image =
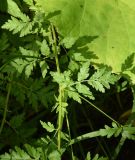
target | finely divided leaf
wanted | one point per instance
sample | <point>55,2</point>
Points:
<point>109,132</point>
<point>84,71</point>
<point>13,9</point>
<point>63,79</point>
<point>68,42</point>
<point>45,50</point>
<point>33,152</point>
<point>16,25</point>
<point>26,64</point>
<point>19,154</point>
<point>28,2</point>
<point>48,126</point>
<point>102,79</point>
<point>57,77</point>
<point>73,94</point>
<point>128,62</point>
<point>81,88</point>
<point>44,67</point>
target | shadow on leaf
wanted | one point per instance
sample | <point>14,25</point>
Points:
<point>128,63</point>
<point>52,14</point>
<point>80,46</point>
<point>101,65</point>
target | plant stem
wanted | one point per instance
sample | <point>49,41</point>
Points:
<point>85,136</point>
<point>72,153</point>
<point>119,101</point>
<point>5,109</point>
<point>100,110</point>
<point>118,148</point>
<point>92,128</point>
<point>55,49</point>
<point>60,118</point>
<point>123,139</point>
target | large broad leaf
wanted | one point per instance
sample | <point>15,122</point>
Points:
<point>112,21</point>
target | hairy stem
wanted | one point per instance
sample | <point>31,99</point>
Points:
<point>60,118</point>
<point>5,109</point>
<point>85,136</point>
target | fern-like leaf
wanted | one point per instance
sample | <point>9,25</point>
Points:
<point>68,42</point>
<point>45,50</point>
<point>83,89</point>
<point>23,26</point>
<point>17,154</point>
<point>84,72</point>
<point>29,2</point>
<point>14,10</point>
<point>102,79</point>
<point>72,93</point>
<point>128,132</point>
<point>26,64</point>
<point>44,67</point>
<point>31,153</point>
<point>63,79</point>
<point>48,126</point>
<point>109,132</point>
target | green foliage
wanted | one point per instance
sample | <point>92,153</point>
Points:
<point>99,80</point>
<point>95,158</point>
<point>16,26</point>
<point>83,74</point>
<point>55,54</point>
<point>4,42</point>
<point>31,153</point>
<point>115,36</point>
<point>109,132</point>
<point>16,121</point>
<point>102,79</point>
<point>36,153</point>
<point>73,94</point>
<point>81,88</point>
<point>48,126</point>
<point>13,9</point>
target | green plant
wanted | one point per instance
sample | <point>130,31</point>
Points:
<point>48,63</point>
